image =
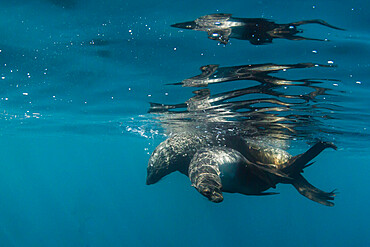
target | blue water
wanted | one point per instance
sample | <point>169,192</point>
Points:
<point>76,80</point>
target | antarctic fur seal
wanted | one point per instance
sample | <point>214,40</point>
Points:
<point>234,164</point>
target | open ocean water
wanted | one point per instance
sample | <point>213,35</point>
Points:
<point>76,128</point>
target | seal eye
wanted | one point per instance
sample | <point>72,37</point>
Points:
<point>207,192</point>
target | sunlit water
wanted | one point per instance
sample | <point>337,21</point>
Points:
<point>77,128</point>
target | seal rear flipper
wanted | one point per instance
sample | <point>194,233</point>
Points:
<point>297,163</point>
<point>311,192</point>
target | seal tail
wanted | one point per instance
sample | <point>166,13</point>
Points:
<point>295,168</point>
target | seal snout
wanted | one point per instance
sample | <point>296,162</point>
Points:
<point>152,178</point>
<point>185,25</point>
<point>148,182</point>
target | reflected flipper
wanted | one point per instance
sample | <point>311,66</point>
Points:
<point>316,21</point>
<point>295,37</point>
<point>221,35</point>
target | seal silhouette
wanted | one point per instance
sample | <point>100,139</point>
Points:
<point>257,31</point>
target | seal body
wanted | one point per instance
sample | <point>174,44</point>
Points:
<point>176,153</point>
<point>234,164</point>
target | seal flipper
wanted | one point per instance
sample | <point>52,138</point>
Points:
<point>295,168</point>
<point>311,192</point>
<point>204,174</point>
<point>297,163</point>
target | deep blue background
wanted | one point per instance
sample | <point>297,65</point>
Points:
<point>74,82</point>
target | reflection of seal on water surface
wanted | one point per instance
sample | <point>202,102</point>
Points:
<point>234,164</point>
<point>257,31</point>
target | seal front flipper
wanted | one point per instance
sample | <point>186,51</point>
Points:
<point>204,174</point>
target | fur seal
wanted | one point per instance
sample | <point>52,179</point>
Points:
<point>257,31</point>
<point>234,164</point>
